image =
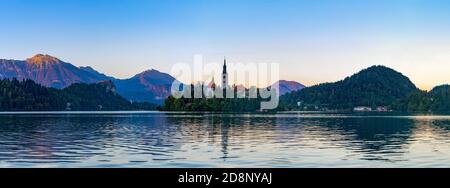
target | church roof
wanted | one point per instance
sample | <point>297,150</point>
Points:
<point>212,84</point>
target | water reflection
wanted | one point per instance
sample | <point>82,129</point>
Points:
<point>223,140</point>
<point>376,138</point>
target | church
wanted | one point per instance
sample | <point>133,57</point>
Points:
<point>224,74</point>
<point>224,84</point>
<point>224,77</point>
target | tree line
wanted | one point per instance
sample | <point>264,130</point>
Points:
<point>26,95</point>
<point>239,102</point>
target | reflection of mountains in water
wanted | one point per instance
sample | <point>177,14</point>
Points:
<point>219,137</point>
<point>374,138</point>
<point>71,138</point>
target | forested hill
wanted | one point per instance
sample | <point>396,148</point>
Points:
<point>437,100</point>
<point>26,95</point>
<point>374,86</point>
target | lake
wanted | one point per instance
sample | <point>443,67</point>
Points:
<point>157,139</point>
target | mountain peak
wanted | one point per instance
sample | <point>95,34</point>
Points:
<point>286,86</point>
<point>155,77</point>
<point>42,59</point>
<point>378,69</point>
<point>150,71</point>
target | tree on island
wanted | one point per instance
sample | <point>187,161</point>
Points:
<point>239,102</point>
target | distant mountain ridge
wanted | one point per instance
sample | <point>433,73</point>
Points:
<point>288,86</point>
<point>371,87</point>
<point>150,85</point>
<point>49,71</point>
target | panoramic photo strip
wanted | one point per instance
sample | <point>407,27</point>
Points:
<point>224,92</point>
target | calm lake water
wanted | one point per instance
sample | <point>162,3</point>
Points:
<point>154,139</point>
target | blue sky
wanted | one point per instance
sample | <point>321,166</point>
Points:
<point>313,40</point>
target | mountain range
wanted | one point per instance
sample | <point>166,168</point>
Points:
<point>149,86</point>
<point>49,71</point>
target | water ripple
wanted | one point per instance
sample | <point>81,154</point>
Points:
<point>223,140</point>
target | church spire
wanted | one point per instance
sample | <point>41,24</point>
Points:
<point>224,74</point>
<point>224,65</point>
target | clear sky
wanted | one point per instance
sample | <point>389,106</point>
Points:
<point>314,41</point>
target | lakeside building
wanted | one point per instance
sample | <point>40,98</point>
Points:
<point>362,109</point>
<point>369,109</point>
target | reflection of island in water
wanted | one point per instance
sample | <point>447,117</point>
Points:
<point>376,138</point>
<point>202,140</point>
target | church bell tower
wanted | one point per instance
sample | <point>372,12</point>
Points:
<point>224,74</point>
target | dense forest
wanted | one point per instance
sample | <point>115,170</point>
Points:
<point>437,100</point>
<point>26,95</point>
<point>372,87</point>
<point>235,104</point>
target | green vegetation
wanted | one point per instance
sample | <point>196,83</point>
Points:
<point>26,95</point>
<point>372,87</point>
<point>235,104</point>
<point>211,105</point>
<point>437,100</point>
